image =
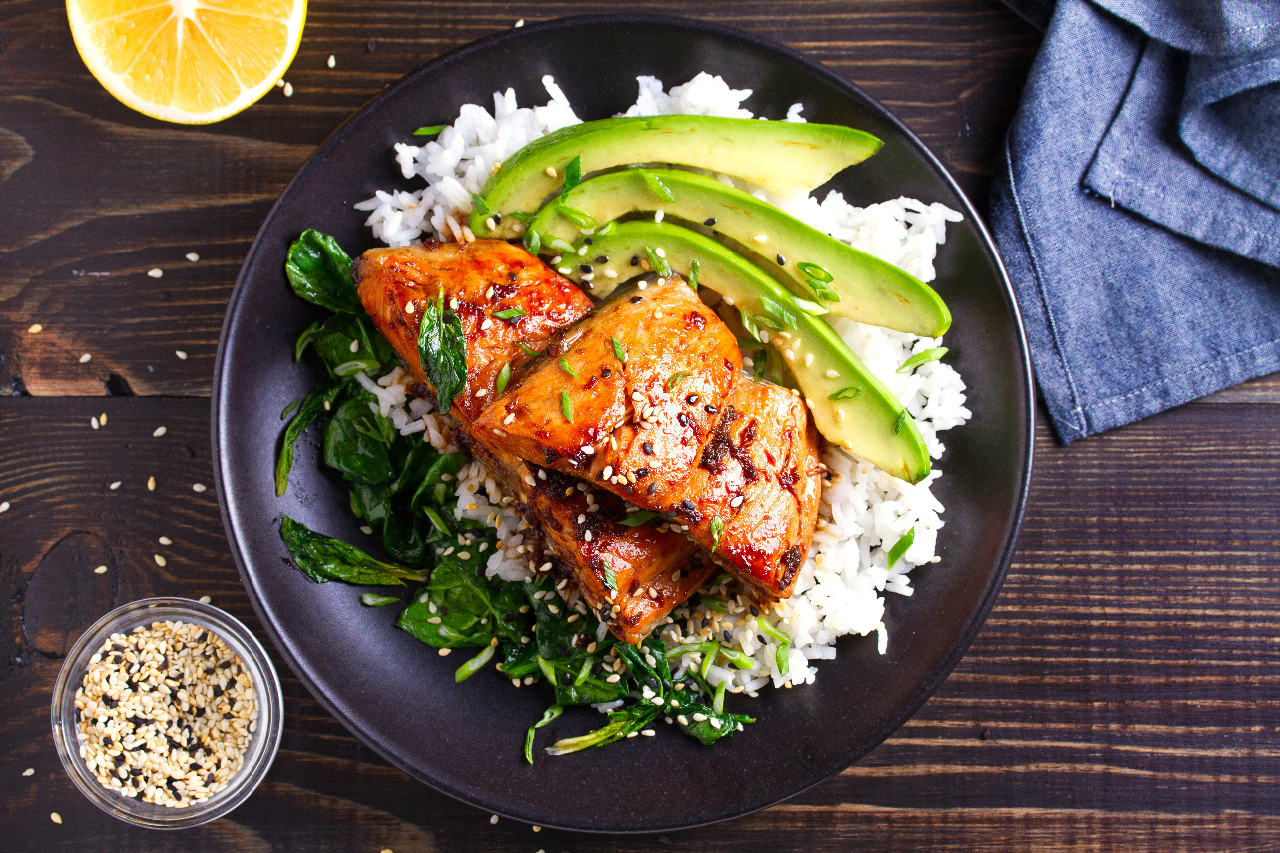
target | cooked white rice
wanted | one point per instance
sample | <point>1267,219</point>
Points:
<point>864,511</point>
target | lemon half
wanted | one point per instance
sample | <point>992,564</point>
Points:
<point>187,61</point>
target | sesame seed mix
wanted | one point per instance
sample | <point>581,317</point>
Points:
<point>166,713</point>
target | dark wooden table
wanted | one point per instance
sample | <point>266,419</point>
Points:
<point>1120,697</point>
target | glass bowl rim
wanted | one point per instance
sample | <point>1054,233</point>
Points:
<point>262,747</point>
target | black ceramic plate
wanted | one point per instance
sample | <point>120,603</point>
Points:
<point>396,694</point>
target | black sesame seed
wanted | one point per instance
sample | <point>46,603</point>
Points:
<point>782,262</point>
<point>728,638</point>
<point>692,399</point>
<point>642,472</point>
<point>589,241</point>
<point>683,419</point>
<point>711,410</point>
<point>688,505</point>
<point>511,276</point>
<point>754,610</point>
<point>636,299</point>
<point>653,487</point>
<point>497,219</point>
<point>585,267</point>
<point>225,664</point>
<point>602,259</point>
<point>606,373</point>
<point>647,448</point>
<point>635,260</point>
<point>709,222</point>
<point>761,638</point>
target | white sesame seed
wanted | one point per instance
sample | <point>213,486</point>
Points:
<point>788,355</point>
<point>736,502</point>
<point>332,61</point>
<point>279,83</point>
<point>494,818</point>
<point>610,274</point>
<point>55,817</point>
<point>551,172</point>
<point>151,484</point>
<point>160,560</point>
<point>761,238</point>
<point>288,90</point>
<point>354,346</point>
<point>35,329</point>
<point>608,471</point>
<point>101,570</point>
<point>30,771</point>
<point>160,431</point>
<point>165,540</point>
<point>93,422</point>
<point>651,732</point>
<point>193,257</point>
<point>114,485</point>
<point>660,252</point>
<point>199,487</point>
<point>614,679</point>
<point>155,272</point>
<point>839,414</point>
<point>453,303</point>
<point>84,359</point>
<point>564,270</point>
<point>582,251</point>
<point>657,217</point>
<point>831,374</point>
<point>445,652</point>
<point>205,599</point>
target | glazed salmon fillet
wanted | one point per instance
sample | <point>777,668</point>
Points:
<point>675,428</point>
<point>653,569</point>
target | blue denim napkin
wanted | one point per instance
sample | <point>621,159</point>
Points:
<point>1138,205</point>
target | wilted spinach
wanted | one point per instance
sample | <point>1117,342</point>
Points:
<point>323,558</point>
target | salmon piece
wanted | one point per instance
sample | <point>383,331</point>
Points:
<point>760,475</point>
<point>654,569</point>
<point>630,576</point>
<point>478,279</point>
<point>626,397</point>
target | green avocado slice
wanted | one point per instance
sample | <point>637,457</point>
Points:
<point>849,405</point>
<point>787,158</point>
<point>848,282</point>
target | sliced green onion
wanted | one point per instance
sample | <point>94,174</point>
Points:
<point>813,309</point>
<point>708,660</point>
<point>713,604</point>
<point>720,578</point>
<point>479,205</point>
<point>567,367</point>
<point>580,218</point>
<point>814,271</point>
<point>583,672</point>
<point>659,264</point>
<point>527,350</point>
<point>900,547</point>
<point>430,130</point>
<point>821,290</point>
<point>610,579</point>
<point>717,530</point>
<point>289,408</point>
<point>846,393</point>
<point>902,421</point>
<point>766,628</point>
<point>783,659</point>
<point>777,312</point>
<point>674,379</point>
<point>693,273</point>
<point>437,521</point>
<point>717,704</point>
<point>635,519</point>
<point>737,658</point>
<point>559,244</point>
<point>504,376</point>
<point>548,669</point>
<point>532,242</point>
<point>688,648</point>
<point>566,406</point>
<point>618,352</point>
<point>473,666</point>
<point>659,188</point>
<point>608,229</point>
<point>572,177</point>
<point>547,716</point>
<point>509,313</point>
<point>749,324</point>
<point>372,599</point>
<point>921,357</point>
<point>521,216</point>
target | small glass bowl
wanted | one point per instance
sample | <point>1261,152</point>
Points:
<point>262,745</point>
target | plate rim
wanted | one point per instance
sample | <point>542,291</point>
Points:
<point>956,649</point>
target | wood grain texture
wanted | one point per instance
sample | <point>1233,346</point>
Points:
<point>1123,694</point>
<point>95,195</point>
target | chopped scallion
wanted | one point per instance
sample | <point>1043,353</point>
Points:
<point>846,393</point>
<point>372,599</point>
<point>674,379</point>
<point>814,271</point>
<point>693,273</point>
<point>618,352</point>
<point>527,350</point>
<point>635,519</point>
<point>473,666</point>
<point>901,422</point>
<point>509,313</point>
<point>659,188</point>
<point>504,376</point>
<point>717,530</point>
<point>717,704</point>
<point>572,177</point>
<point>900,547</point>
<point>430,130</point>
<point>922,357</point>
<point>567,367</point>
<point>659,264</point>
<point>610,579</point>
<point>566,406</point>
